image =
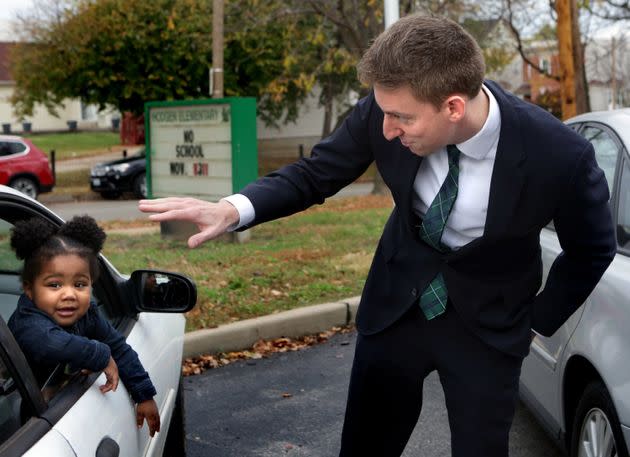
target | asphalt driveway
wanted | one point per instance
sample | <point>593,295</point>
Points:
<point>292,404</point>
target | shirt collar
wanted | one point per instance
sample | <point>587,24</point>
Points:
<point>486,139</point>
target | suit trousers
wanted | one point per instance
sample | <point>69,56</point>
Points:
<point>480,386</point>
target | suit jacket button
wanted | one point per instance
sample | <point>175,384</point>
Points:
<point>414,291</point>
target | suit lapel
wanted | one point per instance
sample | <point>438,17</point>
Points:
<point>507,179</point>
<point>508,175</point>
<point>407,164</point>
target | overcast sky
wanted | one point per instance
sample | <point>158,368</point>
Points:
<point>8,10</point>
<point>9,7</point>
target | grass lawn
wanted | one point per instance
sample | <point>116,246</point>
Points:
<point>77,144</point>
<point>313,257</point>
<point>74,182</point>
<point>268,164</point>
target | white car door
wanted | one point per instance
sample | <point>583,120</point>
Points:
<point>51,444</point>
<point>157,338</point>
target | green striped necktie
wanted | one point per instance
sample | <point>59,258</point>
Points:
<point>433,299</point>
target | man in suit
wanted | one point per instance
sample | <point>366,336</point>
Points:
<point>475,174</point>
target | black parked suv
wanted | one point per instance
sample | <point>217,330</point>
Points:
<point>111,179</point>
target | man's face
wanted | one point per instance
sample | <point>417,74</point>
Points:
<point>419,126</point>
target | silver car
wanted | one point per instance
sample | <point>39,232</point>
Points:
<point>577,382</point>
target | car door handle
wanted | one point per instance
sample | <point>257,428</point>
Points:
<point>107,448</point>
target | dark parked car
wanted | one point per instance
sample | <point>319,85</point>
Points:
<point>24,167</point>
<point>111,179</point>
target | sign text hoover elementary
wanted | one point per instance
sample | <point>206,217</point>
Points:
<point>209,113</point>
<point>189,143</point>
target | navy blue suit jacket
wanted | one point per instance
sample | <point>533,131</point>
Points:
<point>543,172</point>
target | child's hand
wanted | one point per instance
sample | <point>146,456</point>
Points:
<point>148,410</point>
<point>111,373</point>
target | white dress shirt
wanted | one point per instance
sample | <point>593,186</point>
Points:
<point>476,162</point>
<point>468,216</point>
<point>243,205</point>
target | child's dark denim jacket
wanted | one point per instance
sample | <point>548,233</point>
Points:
<point>86,344</point>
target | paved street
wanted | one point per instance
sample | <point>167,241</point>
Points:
<point>101,210</point>
<point>292,404</point>
<point>124,209</point>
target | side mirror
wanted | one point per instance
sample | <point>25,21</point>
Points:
<point>162,292</point>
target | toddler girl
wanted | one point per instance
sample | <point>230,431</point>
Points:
<point>55,321</point>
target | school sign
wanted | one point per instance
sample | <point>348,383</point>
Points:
<point>200,148</point>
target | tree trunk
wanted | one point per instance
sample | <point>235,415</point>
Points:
<point>328,112</point>
<point>585,80</point>
<point>566,57</point>
<point>582,104</point>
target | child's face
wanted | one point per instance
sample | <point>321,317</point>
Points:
<point>62,289</point>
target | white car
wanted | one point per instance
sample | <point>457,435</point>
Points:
<point>577,382</point>
<point>79,420</point>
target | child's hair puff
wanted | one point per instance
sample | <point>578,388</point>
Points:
<point>36,241</point>
<point>85,230</point>
<point>28,236</point>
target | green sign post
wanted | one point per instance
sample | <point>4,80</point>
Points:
<point>200,148</point>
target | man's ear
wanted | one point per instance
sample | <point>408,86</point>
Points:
<point>456,107</point>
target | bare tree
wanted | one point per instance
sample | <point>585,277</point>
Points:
<point>515,26</point>
<point>31,25</point>
<point>564,13</point>
<point>609,63</point>
<point>609,9</point>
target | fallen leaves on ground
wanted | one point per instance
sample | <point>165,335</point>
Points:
<point>260,349</point>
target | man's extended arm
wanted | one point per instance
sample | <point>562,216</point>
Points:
<point>335,162</point>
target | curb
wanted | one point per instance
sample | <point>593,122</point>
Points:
<point>294,323</point>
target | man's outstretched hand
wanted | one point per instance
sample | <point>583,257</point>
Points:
<point>212,219</point>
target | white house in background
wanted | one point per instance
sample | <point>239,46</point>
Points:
<point>605,47</point>
<point>285,141</point>
<point>86,116</point>
<point>608,66</point>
